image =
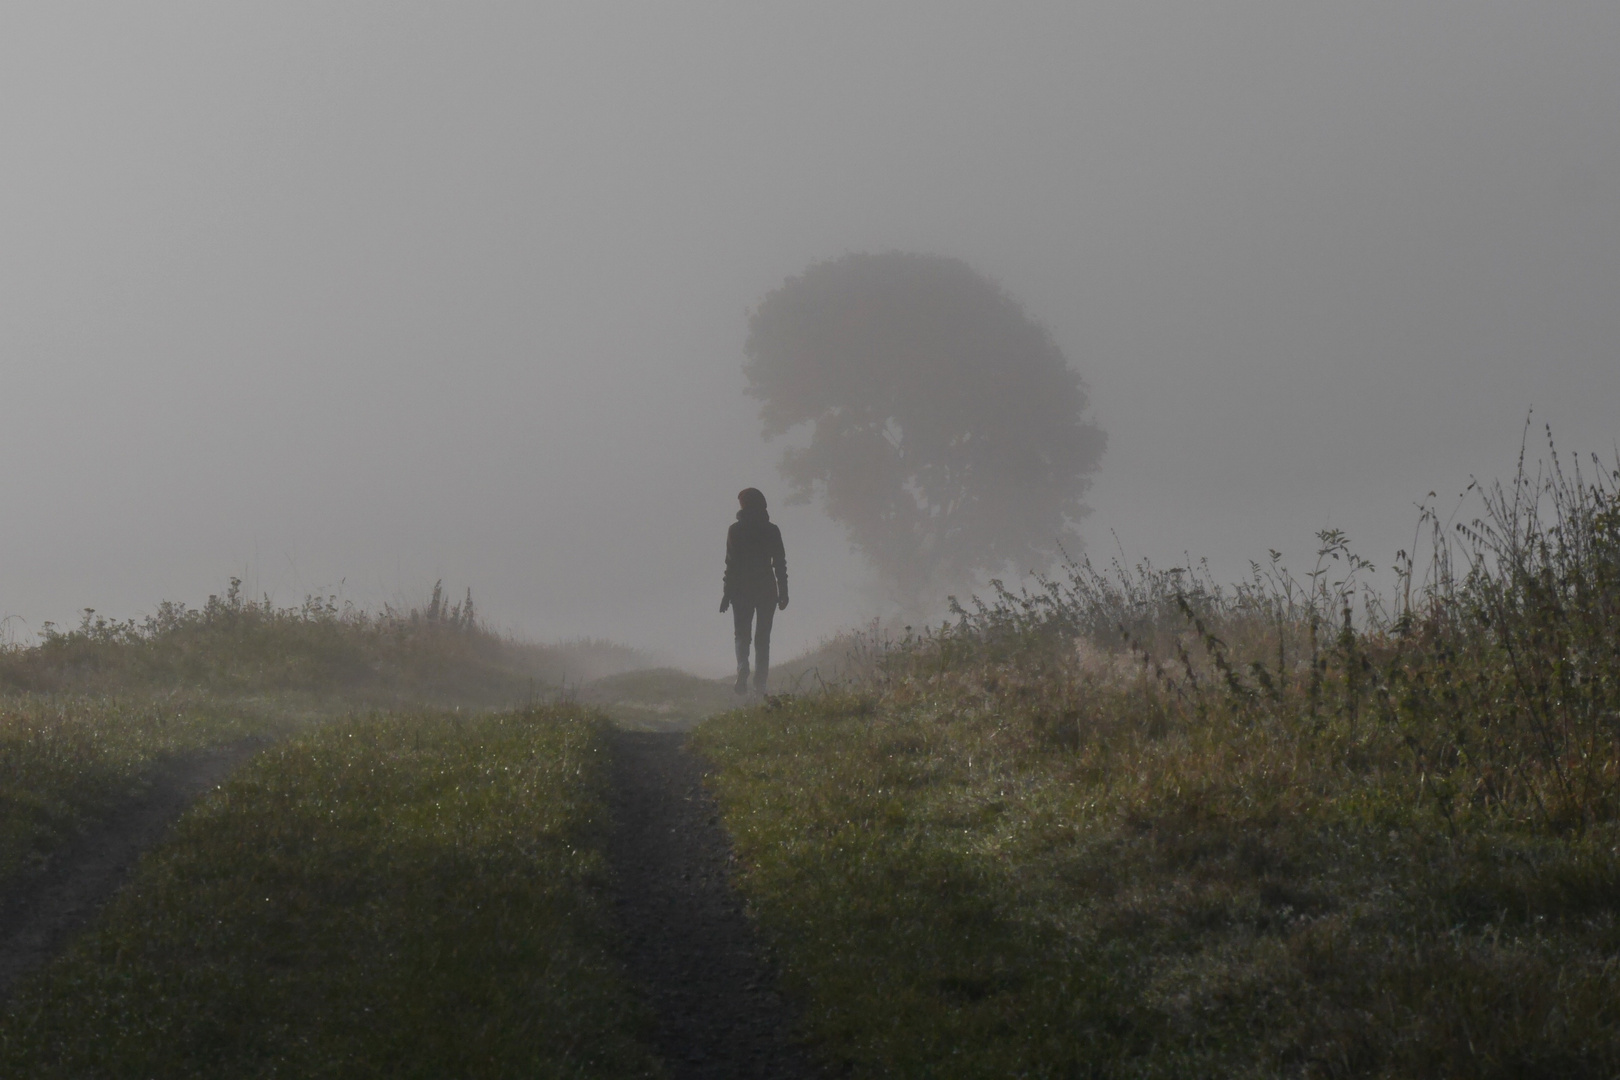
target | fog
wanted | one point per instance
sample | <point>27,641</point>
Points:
<point>350,298</point>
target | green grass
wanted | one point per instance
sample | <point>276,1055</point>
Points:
<point>953,897</point>
<point>67,762</point>
<point>89,715</point>
<point>1149,827</point>
<point>380,896</point>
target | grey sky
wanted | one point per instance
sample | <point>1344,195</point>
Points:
<point>381,293</point>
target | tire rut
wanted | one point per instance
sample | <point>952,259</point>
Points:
<point>688,942</point>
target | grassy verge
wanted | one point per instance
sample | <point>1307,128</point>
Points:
<point>388,896</point>
<point>1151,827</point>
<point>953,898</point>
<point>66,762</point>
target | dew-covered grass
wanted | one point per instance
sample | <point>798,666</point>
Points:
<point>68,762</point>
<point>92,715</point>
<point>952,896</point>
<point>386,895</point>
<point>1148,827</point>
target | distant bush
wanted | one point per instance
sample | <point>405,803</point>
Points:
<point>233,644</point>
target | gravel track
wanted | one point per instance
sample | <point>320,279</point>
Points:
<point>687,940</point>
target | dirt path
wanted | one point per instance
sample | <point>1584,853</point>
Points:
<point>686,937</point>
<point>40,916</point>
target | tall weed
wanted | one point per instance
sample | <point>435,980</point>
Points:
<point>1493,670</point>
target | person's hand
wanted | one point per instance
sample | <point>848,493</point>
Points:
<point>725,602</point>
<point>782,603</point>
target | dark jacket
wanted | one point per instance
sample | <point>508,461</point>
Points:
<point>756,568</point>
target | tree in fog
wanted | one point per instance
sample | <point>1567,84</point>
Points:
<point>946,434</point>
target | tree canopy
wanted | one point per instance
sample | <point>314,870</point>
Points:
<point>947,428</point>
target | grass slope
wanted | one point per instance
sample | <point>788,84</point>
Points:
<point>234,646</point>
<point>1145,826</point>
<point>383,896</point>
<point>88,715</point>
<point>952,897</point>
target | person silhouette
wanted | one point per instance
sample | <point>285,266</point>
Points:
<point>755,584</point>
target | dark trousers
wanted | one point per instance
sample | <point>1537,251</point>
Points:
<point>753,622</point>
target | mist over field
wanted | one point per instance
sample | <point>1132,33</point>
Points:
<point>351,299</point>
